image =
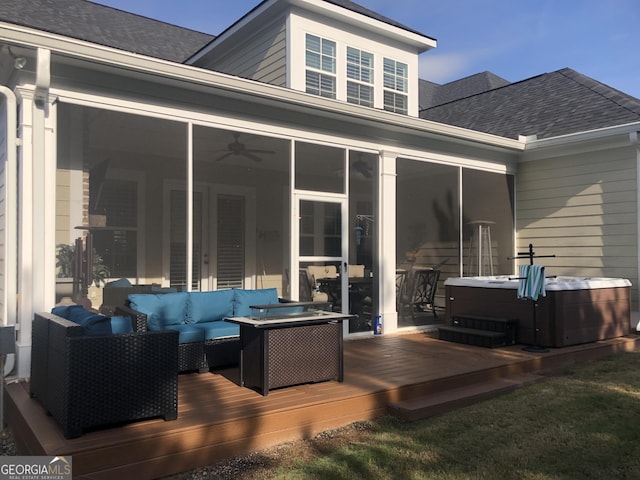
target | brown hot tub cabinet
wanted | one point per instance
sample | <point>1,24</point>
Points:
<point>564,317</point>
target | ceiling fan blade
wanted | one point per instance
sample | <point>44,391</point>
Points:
<point>238,148</point>
<point>251,156</point>
<point>253,150</point>
<point>225,155</point>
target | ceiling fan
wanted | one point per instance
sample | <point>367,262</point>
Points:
<point>238,148</point>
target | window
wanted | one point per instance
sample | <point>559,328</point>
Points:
<point>321,66</point>
<point>360,77</point>
<point>231,261</point>
<point>117,243</point>
<point>395,86</point>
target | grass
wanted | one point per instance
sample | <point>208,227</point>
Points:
<point>583,423</point>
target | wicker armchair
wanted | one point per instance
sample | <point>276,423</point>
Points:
<point>90,381</point>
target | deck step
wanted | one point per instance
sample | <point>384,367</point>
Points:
<point>472,336</point>
<point>495,324</point>
<point>441,402</point>
<point>490,332</point>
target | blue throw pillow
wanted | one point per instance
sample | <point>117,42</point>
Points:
<point>210,306</point>
<point>245,298</point>
<point>62,311</point>
<point>121,325</point>
<point>93,323</point>
<point>161,310</point>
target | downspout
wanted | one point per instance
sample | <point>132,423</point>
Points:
<point>10,271</point>
<point>634,139</point>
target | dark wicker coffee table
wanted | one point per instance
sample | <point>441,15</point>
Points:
<point>290,344</point>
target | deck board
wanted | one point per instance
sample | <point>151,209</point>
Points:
<point>217,419</point>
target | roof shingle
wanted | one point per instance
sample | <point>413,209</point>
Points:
<point>89,21</point>
<point>432,94</point>
<point>548,105</point>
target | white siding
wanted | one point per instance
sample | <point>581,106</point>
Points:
<point>583,209</point>
<point>260,57</point>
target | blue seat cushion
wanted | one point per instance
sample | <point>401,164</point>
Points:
<point>121,325</point>
<point>188,333</point>
<point>219,329</point>
<point>93,323</point>
<point>162,310</point>
<point>210,306</point>
<point>245,298</point>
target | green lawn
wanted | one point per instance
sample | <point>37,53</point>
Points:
<point>583,423</point>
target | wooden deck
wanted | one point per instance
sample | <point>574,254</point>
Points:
<point>217,419</point>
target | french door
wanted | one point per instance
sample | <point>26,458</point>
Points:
<point>223,239</point>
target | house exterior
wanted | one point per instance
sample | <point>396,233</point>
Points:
<point>297,137</point>
<point>576,183</point>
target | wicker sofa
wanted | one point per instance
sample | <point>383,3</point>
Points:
<point>205,340</point>
<point>87,381</point>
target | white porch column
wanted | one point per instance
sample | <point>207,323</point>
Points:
<point>36,225</point>
<point>387,241</point>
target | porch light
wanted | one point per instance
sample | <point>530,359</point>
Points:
<point>18,62</point>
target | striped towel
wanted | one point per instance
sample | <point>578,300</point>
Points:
<point>531,283</point>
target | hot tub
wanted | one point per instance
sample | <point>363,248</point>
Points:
<point>576,309</point>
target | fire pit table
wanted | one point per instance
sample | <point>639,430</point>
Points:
<point>290,344</point>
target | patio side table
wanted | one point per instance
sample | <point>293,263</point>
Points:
<point>290,344</point>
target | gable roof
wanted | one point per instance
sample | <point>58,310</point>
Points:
<point>89,21</point>
<point>433,94</point>
<point>423,44</point>
<point>108,26</point>
<point>548,105</point>
<point>354,7</point>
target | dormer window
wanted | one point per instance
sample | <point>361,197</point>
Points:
<point>321,66</point>
<point>396,78</point>
<point>359,77</point>
<point>376,76</point>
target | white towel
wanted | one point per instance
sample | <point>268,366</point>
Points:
<point>531,284</point>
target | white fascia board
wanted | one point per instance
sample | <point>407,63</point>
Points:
<point>189,77</point>
<point>421,43</point>
<point>599,139</point>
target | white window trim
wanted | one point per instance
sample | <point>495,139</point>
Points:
<point>359,81</point>
<point>395,91</point>
<point>320,71</point>
<point>299,24</point>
